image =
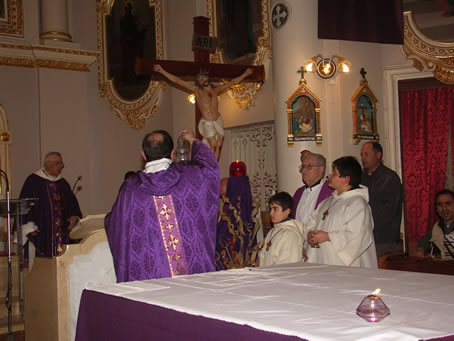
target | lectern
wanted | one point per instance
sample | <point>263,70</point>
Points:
<point>15,208</point>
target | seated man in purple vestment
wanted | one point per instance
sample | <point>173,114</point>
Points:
<point>57,210</point>
<point>163,222</point>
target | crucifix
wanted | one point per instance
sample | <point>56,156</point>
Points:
<point>302,70</point>
<point>208,119</point>
<point>363,73</point>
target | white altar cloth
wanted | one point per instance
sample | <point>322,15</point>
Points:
<point>310,301</point>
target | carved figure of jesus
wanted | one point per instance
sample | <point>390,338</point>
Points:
<point>211,126</point>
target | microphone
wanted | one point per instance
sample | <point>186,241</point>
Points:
<point>78,179</point>
<point>9,298</point>
<point>3,173</point>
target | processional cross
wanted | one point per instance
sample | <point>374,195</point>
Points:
<point>201,62</point>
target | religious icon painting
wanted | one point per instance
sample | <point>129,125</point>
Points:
<point>364,112</point>
<point>303,114</point>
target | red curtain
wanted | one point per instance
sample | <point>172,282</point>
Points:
<point>425,119</point>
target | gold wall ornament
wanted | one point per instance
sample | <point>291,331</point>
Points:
<point>5,137</point>
<point>244,93</point>
<point>12,18</point>
<point>46,56</point>
<point>62,36</point>
<point>427,54</point>
<point>137,109</point>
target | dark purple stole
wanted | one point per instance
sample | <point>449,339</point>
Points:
<point>171,236</point>
<point>56,208</point>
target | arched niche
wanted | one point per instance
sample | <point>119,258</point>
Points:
<point>129,29</point>
<point>250,44</point>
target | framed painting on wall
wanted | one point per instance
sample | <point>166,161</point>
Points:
<point>11,18</point>
<point>243,35</point>
<point>128,29</point>
<point>303,114</point>
<point>364,112</point>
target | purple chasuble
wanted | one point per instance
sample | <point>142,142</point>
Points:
<point>56,204</point>
<point>164,224</point>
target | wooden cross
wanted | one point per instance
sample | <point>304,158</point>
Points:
<point>325,214</point>
<point>184,69</point>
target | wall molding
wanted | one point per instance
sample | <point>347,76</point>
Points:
<point>36,56</point>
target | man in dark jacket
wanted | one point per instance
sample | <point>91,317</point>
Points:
<point>385,198</point>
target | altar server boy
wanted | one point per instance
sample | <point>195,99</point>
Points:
<point>284,242</point>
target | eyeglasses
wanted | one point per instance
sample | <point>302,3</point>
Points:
<point>57,163</point>
<point>308,167</point>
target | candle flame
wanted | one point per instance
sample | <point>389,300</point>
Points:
<point>376,291</point>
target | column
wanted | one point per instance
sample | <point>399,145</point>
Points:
<point>293,43</point>
<point>54,20</point>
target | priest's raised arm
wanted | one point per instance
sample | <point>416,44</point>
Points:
<point>163,222</point>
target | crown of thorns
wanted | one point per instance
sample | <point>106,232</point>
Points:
<point>203,73</point>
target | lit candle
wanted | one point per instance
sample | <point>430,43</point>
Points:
<point>372,308</point>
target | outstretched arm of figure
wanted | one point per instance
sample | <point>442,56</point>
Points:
<point>234,81</point>
<point>173,78</point>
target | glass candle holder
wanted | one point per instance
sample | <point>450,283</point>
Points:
<point>372,309</point>
<point>182,150</point>
<point>237,168</point>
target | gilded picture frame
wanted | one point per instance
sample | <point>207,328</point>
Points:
<point>243,94</point>
<point>303,115</point>
<point>428,54</point>
<point>138,100</point>
<point>364,113</point>
<point>11,18</point>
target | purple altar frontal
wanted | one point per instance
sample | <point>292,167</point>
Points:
<point>296,301</point>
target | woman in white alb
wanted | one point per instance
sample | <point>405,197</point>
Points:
<point>340,231</point>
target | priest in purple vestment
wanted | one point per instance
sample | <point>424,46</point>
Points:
<point>57,211</point>
<point>163,222</point>
<point>307,198</point>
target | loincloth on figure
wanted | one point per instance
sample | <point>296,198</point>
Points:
<point>211,128</point>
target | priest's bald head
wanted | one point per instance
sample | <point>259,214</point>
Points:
<point>157,145</point>
<point>53,163</point>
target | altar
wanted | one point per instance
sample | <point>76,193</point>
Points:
<point>297,301</point>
